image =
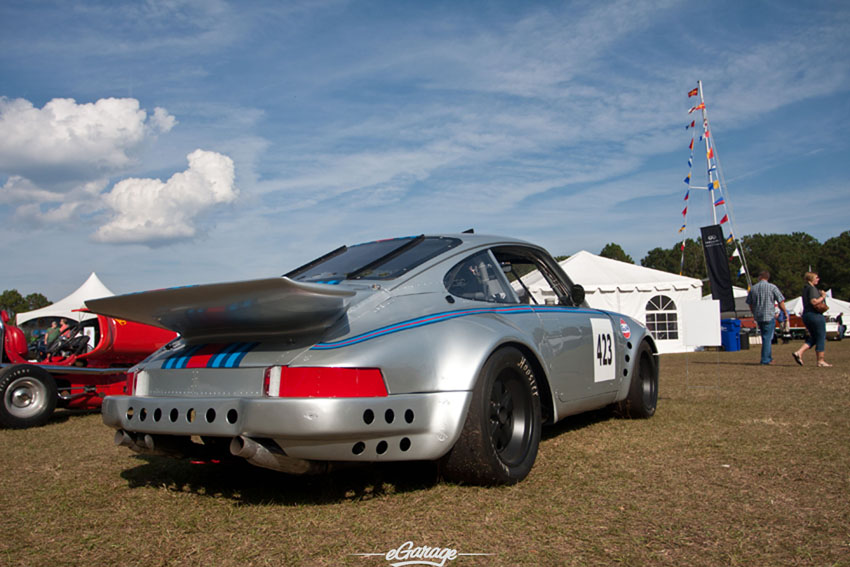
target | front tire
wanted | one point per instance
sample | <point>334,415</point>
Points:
<point>501,435</point>
<point>643,390</point>
<point>28,396</point>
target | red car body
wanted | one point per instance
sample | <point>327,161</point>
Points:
<point>73,374</point>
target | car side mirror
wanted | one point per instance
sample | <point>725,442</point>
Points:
<point>578,294</point>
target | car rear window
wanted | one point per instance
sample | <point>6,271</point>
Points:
<point>378,260</point>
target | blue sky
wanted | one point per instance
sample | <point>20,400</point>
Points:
<point>177,142</point>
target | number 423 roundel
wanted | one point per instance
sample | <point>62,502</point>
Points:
<point>604,350</point>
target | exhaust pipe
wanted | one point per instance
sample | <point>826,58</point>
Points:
<point>261,456</point>
<point>123,439</point>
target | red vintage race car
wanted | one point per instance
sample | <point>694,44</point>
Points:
<point>87,362</point>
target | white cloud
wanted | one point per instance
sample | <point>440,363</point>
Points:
<point>149,211</point>
<point>65,140</point>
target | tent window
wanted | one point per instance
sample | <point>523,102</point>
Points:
<point>662,319</point>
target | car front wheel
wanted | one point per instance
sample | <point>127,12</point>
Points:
<point>499,441</point>
<point>29,396</point>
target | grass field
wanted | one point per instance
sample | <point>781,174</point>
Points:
<point>742,465</point>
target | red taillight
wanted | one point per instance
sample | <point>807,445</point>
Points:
<point>323,382</point>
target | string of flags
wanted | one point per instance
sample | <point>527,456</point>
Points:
<point>735,254</point>
<point>713,183</point>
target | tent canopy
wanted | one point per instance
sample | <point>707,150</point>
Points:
<point>596,273</point>
<point>91,289</point>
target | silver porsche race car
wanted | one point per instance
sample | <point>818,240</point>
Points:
<point>413,348</point>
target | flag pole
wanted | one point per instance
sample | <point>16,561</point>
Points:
<point>706,133</point>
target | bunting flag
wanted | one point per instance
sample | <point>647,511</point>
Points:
<point>691,146</point>
<point>700,106</point>
<point>683,246</point>
<point>691,161</point>
<point>710,153</point>
<point>683,228</point>
<point>712,169</point>
<point>685,211</point>
<point>707,134</point>
<point>735,254</point>
<point>716,184</point>
<point>693,92</point>
<point>687,193</point>
<point>741,271</point>
<point>691,125</point>
<point>688,179</point>
<point>730,239</point>
<point>719,202</point>
<point>724,219</point>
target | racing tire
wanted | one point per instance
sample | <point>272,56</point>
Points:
<point>499,441</point>
<point>643,390</point>
<point>28,396</point>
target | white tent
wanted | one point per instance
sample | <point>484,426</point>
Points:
<point>91,289</point>
<point>647,295</point>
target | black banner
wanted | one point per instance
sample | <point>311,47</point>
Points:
<point>714,247</point>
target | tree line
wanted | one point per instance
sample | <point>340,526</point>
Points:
<point>13,302</point>
<point>786,256</point>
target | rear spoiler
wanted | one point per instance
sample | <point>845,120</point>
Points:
<point>254,308</point>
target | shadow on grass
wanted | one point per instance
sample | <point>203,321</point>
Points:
<point>577,422</point>
<point>237,480</point>
<point>250,485</point>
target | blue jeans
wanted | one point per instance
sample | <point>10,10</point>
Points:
<point>816,325</point>
<point>766,328</point>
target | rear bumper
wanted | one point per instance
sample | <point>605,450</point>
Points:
<point>392,428</point>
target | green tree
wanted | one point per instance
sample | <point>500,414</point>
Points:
<point>670,259</point>
<point>833,264</point>
<point>615,252</point>
<point>12,301</point>
<point>786,256</point>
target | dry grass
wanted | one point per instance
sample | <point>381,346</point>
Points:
<point>742,465</point>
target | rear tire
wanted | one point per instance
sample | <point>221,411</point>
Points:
<point>501,435</point>
<point>28,396</point>
<point>643,390</point>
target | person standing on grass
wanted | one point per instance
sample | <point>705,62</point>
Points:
<point>762,299</point>
<point>813,320</point>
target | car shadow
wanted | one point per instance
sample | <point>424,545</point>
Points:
<point>63,415</point>
<point>579,421</point>
<point>237,480</point>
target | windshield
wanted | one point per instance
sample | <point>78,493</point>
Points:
<point>378,260</point>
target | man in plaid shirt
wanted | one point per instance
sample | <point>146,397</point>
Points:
<point>761,299</point>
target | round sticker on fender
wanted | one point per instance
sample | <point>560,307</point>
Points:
<point>604,350</point>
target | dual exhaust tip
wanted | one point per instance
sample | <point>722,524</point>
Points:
<point>266,455</point>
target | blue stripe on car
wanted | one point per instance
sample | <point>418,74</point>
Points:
<point>445,316</point>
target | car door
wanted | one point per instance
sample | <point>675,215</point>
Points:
<point>578,344</point>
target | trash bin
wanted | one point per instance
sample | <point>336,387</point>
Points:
<point>730,334</point>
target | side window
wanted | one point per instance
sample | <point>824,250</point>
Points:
<point>531,278</point>
<point>479,278</point>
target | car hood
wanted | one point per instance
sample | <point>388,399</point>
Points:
<point>254,308</point>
